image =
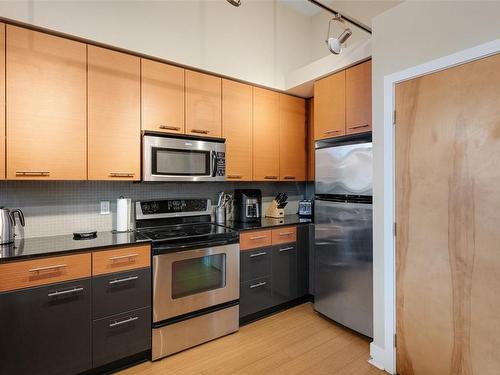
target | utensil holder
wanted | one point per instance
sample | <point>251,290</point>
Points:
<point>220,215</point>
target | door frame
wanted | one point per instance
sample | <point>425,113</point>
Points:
<point>386,357</point>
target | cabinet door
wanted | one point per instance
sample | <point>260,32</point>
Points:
<point>237,129</point>
<point>2,101</point>
<point>46,109</point>
<point>46,330</point>
<point>310,140</point>
<point>359,98</point>
<point>266,131</point>
<point>285,277</point>
<point>203,104</point>
<point>162,97</point>
<point>255,264</point>
<point>329,106</point>
<point>114,130</point>
<point>292,138</point>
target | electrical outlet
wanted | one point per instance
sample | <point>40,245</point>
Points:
<point>104,207</point>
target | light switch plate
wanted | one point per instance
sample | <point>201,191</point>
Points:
<point>104,207</point>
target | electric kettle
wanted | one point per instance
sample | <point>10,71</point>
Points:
<point>7,224</point>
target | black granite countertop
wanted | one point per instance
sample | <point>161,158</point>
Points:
<point>266,222</point>
<point>57,245</point>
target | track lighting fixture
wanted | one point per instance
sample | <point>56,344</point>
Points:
<point>335,43</point>
<point>235,3</point>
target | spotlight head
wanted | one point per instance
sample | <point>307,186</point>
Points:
<point>235,3</point>
<point>333,43</point>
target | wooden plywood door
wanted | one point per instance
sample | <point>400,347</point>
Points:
<point>447,200</point>
<point>237,104</point>
<point>358,89</point>
<point>162,97</point>
<point>46,106</point>
<point>203,104</point>
<point>114,128</point>
<point>266,132</point>
<point>329,106</point>
<point>292,136</point>
<point>2,101</point>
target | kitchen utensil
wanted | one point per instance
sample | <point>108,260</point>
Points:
<point>8,223</point>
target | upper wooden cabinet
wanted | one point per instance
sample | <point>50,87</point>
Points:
<point>162,97</point>
<point>2,101</point>
<point>329,106</point>
<point>113,115</point>
<point>203,104</point>
<point>292,136</point>
<point>359,98</point>
<point>266,135</point>
<point>310,140</point>
<point>46,109</point>
<point>237,129</point>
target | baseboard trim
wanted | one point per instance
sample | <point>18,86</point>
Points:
<point>378,358</point>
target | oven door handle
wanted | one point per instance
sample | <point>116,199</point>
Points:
<point>214,163</point>
<point>164,249</point>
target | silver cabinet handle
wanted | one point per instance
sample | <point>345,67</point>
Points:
<point>331,131</point>
<point>262,283</point>
<point>166,127</point>
<point>125,321</point>
<point>33,173</point>
<point>286,249</point>
<point>128,256</point>
<point>57,266</point>
<point>359,126</point>
<point>283,234</point>
<point>200,131</point>
<point>124,280</point>
<point>121,174</point>
<point>257,255</point>
<point>270,177</point>
<point>235,176</point>
<point>289,177</point>
<point>257,238</point>
<point>62,292</point>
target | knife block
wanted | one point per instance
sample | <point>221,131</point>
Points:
<point>274,212</point>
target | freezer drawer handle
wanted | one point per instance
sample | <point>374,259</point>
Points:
<point>262,283</point>
<point>124,280</point>
<point>63,292</point>
<point>257,255</point>
<point>125,321</point>
<point>286,248</point>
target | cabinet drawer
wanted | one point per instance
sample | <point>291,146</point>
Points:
<point>121,259</point>
<point>115,293</point>
<point>255,295</point>
<point>284,235</point>
<point>255,264</point>
<point>29,273</point>
<point>252,240</point>
<point>121,335</point>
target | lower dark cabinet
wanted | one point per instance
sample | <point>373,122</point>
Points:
<point>255,295</point>
<point>121,335</point>
<point>284,273</point>
<point>47,329</point>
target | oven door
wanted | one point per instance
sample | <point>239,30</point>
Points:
<point>177,159</point>
<point>188,281</point>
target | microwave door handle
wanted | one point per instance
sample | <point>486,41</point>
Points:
<point>214,163</point>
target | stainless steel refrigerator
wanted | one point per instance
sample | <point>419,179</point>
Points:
<point>343,247</point>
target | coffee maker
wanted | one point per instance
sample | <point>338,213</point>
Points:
<point>247,205</point>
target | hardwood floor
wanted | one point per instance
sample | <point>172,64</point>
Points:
<point>296,341</point>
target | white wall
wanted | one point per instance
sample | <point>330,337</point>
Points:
<point>261,41</point>
<point>408,35</point>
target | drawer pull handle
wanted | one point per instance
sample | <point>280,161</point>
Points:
<point>200,131</point>
<point>120,257</point>
<point>283,234</point>
<point>289,177</point>
<point>257,238</point>
<point>331,131</point>
<point>258,285</point>
<point>121,174</point>
<point>271,177</point>
<point>166,127</point>
<point>124,280</point>
<point>33,173</point>
<point>56,267</point>
<point>257,255</point>
<point>124,321</point>
<point>235,176</point>
<point>286,248</point>
<point>359,126</point>
<point>63,292</point>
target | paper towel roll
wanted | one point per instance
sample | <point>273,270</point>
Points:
<point>123,206</point>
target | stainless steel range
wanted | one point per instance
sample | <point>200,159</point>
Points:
<point>195,273</point>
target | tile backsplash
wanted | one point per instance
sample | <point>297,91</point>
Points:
<point>63,207</point>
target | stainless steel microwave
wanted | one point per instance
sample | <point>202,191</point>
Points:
<point>183,158</point>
